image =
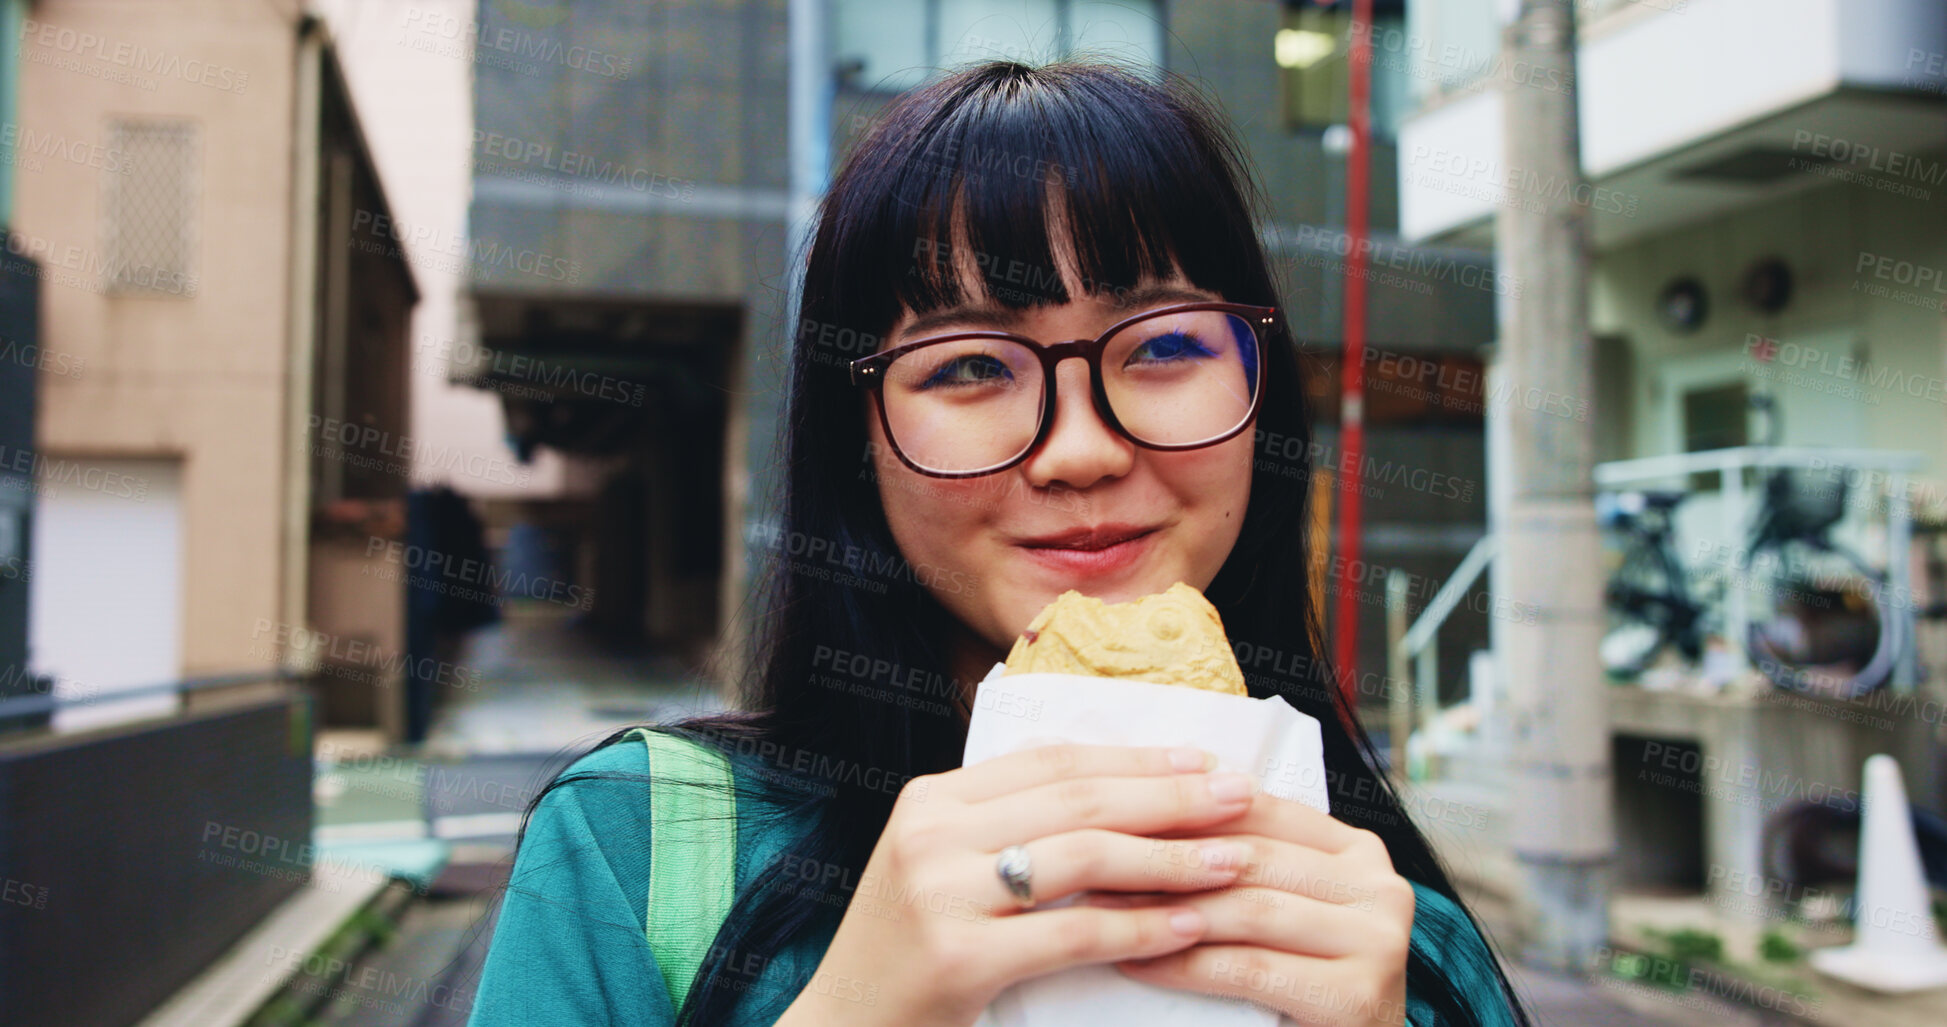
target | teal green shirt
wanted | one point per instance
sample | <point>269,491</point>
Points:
<point>570,945</point>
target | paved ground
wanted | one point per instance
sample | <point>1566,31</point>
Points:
<point>426,975</point>
<point>547,686</point>
<point>1556,999</point>
<point>548,692</point>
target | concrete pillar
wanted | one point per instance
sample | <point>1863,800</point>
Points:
<point>1558,728</point>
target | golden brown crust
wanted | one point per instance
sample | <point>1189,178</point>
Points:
<point>1173,637</point>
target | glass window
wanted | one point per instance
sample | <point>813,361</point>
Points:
<point>890,47</point>
<point>882,45</point>
<point>982,30</point>
<point>1715,417</point>
<point>1130,31</point>
<point>1448,44</point>
<point>1313,47</point>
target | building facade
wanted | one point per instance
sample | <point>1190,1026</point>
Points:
<point>1766,189</point>
<point>197,189</point>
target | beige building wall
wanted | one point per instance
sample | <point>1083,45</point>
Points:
<point>414,90</point>
<point>199,375</point>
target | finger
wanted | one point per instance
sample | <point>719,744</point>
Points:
<point>1361,875</point>
<point>1048,763</point>
<point>1293,821</point>
<point>1075,861</point>
<point>1132,805</point>
<point>1309,989</point>
<point>1271,918</point>
<point>1047,940</point>
<point>1342,879</point>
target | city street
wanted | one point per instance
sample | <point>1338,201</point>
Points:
<point>397,400</point>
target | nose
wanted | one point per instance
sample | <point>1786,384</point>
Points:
<point>1080,448</point>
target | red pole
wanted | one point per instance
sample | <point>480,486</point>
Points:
<point>1352,419</point>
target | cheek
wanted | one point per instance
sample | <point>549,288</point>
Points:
<point>902,490</point>
<point>1218,478</point>
<point>933,520</point>
<point>1239,464</point>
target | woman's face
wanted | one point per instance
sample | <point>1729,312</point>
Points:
<point>971,541</point>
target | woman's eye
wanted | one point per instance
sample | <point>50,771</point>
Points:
<point>969,370</point>
<point>1173,346</point>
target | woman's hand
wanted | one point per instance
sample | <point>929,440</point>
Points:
<point>932,933</point>
<point>1316,928</point>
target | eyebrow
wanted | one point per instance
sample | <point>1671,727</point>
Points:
<point>1010,318</point>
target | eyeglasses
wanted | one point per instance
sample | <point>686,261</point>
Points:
<point>972,403</point>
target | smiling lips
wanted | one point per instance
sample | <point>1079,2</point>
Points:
<point>1089,539</point>
<point>1091,551</point>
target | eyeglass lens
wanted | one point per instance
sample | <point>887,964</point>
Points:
<point>1173,379</point>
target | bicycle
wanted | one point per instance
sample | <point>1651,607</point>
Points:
<point>1649,594</point>
<point>1826,632</point>
<point>1829,632</point>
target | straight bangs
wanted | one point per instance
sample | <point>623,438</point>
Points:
<point>982,180</point>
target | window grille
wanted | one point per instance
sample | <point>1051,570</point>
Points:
<point>149,213</point>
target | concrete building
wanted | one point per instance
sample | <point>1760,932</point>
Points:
<point>412,81</point>
<point>220,462</point>
<point>1767,189</point>
<point>20,365</point>
<point>225,436</point>
<point>1718,135</point>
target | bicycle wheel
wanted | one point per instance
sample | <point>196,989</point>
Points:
<point>1827,634</point>
<point>1648,611</point>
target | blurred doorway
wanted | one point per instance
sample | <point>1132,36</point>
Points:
<point>635,395</point>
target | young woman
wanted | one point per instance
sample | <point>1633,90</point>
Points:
<point>941,488</point>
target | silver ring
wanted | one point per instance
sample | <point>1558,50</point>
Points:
<point>1014,870</point>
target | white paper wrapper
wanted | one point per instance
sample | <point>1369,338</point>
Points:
<point>1264,738</point>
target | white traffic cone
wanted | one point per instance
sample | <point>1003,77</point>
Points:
<point>1894,945</point>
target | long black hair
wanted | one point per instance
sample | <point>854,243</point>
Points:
<point>847,639</point>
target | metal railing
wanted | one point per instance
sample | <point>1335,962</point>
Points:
<point>1413,652</point>
<point>1418,646</point>
<point>37,703</point>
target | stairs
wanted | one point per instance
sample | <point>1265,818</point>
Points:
<point>1464,814</point>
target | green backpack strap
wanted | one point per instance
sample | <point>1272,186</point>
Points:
<point>692,854</point>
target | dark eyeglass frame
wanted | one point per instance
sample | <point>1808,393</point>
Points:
<point>870,373</point>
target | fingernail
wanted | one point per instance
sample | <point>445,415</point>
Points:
<point>1186,921</point>
<point>1230,787</point>
<point>1191,759</point>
